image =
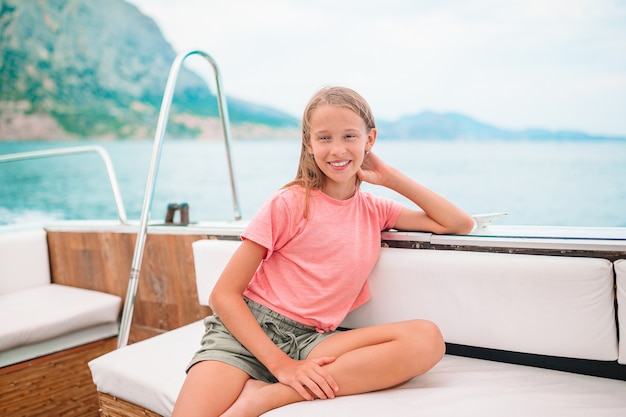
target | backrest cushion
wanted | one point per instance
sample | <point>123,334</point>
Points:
<point>210,257</point>
<point>620,280</point>
<point>561,306</point>
<point>24,260</point>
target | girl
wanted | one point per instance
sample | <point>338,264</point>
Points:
<point>302,266</point>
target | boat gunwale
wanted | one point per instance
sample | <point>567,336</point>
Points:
<point>495,238</point>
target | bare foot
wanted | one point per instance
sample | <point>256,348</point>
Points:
<point>248,400</point>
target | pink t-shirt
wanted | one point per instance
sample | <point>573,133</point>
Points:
<point>316,269</point>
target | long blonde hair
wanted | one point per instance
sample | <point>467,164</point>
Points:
<point>309,174</point>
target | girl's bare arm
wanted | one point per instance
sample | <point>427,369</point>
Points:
<point>437,214</point>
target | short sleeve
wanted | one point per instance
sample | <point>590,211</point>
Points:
<point>272,226</point>
<point>387,210</point>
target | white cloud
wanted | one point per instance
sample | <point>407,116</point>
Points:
<point>518,63</point>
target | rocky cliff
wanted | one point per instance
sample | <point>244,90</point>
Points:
<point>92,69</point>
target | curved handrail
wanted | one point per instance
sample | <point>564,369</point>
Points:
<point>121,212</point>
<point>133,282</point>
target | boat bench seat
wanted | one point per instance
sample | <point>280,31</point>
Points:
<point>550,306</point>
<point>38,317</point>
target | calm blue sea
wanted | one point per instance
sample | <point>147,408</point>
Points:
<point>536,183</point>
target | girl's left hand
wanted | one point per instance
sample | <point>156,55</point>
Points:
<point>374,170</point>
<point>309,378</point>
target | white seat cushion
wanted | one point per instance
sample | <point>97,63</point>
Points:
<point>150,374</point>
<point>459,386</point>
<point>210,257</point>
<point>48,311</point>
<point>550,305</point>
<point>59,343</point>
<point>620,278</point>
<point>23,260</point>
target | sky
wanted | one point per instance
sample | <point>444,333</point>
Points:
<point>553,64</point>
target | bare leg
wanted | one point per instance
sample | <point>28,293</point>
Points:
<point>210,388</point>
<point>368,359</point>
<point>252,398</point>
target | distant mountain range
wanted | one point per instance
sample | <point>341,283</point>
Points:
<point>87,69</point>
<point>448,126</point>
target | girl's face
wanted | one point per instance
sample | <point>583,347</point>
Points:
<point>339,139</point>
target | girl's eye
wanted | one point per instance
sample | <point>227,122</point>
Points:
<point>323,137</point>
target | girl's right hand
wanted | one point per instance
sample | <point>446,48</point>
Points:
<point>309,378</point>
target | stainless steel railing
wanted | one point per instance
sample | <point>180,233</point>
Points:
<point>127,313</point>
<point>121,212</point>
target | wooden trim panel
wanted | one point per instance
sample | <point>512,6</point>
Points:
<point>166,298</point>
<point>114,407</point>
<point>58,384</point>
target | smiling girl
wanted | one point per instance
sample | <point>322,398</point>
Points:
<point>302,266</point>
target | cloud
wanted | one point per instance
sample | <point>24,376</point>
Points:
<point>520,63</point>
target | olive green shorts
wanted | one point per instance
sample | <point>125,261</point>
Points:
<point>295,339</point>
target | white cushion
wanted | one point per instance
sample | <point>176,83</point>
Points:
<point>150,374</point>
<point>59,343</point>
<point>551,305</point>
<point>48,311</point>
<point>620,279</point>
<point>460,386</point>
<point>23,260</point>
<point>561,306</point>
<point>210,257</point>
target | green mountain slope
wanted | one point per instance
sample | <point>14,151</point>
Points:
<point>99,69</point>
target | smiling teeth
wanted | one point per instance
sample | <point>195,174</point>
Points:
<point>339,164</point>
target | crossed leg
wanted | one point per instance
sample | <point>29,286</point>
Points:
<point>368,359</point>
<point>210,388</point>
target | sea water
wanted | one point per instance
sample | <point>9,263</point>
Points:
<point>555,183</point>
